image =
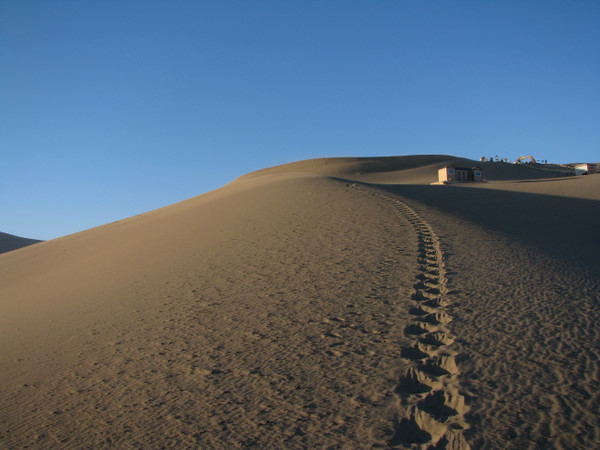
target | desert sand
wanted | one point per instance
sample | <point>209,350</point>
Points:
<point>330,303</point>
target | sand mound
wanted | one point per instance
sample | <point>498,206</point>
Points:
<point>10,242</point>
<point>294,308</point>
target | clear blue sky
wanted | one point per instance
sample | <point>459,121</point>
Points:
<point>112,108</point>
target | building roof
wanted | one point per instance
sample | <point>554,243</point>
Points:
<point>462,168</point>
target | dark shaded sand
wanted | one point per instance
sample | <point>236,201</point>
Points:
<point>333,302</point>
<point>10,242</point>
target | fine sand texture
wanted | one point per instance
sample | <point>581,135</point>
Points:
<point>330,303</point>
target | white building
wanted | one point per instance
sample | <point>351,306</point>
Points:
<point>585,168</point>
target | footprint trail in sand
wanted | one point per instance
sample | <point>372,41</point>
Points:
<point>431,409</point>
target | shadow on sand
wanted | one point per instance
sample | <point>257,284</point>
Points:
<point>564,227</point>
<point>10,242</point>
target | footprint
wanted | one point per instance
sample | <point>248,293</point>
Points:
<point>418,311</point>
<point>440,366</point>
<point>437,339</point>
<point>417,428</point>
<point>414,352</point>
<point>407,431</point>
<point>416,382</point>
<point>423,296</point>
<point>437,302</point>
<point>425,277</point>
<point>436,318</point>
<point>421,285</point>
<point>414,329</point>
<point>433,369</point>
<point>438,404</point>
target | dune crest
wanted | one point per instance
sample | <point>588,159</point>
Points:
<point>412,169</point>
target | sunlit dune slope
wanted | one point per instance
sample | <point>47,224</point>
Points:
<point>326,303</point>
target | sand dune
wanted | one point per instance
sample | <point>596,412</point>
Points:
<point>10,242</point>
<point>326,303</point>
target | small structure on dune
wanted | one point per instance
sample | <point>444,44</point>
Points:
<point>584,168</point>
<point>453,174</point>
